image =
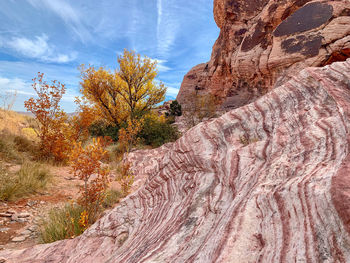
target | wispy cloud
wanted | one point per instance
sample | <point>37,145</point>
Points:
<point>161,67</point>
<point>167,28</point>
<point>159,15</point>
<point>37,48</point>
<point>67,13</point>
<point>14,85</point>
<point>172,89</point>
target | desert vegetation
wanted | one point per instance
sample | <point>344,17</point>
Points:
<point>116,113</point>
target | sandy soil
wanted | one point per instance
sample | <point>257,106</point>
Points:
<point>64,187</point>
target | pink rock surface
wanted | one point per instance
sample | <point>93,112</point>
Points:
<point>282,196</point>
<point>264,42</point>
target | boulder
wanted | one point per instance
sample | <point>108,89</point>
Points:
<point>268,182</point>
<point>262,43</point>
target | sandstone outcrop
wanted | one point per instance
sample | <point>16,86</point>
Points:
<point>281,194</point>
<point>264,42</point>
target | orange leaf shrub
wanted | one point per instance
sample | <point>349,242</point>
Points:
<point>82,120</point>
<point>87,166</point>
<point>51,118</point>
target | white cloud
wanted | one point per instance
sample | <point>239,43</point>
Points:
<point>31,48</point>
<point>161,65</point>
<point>12,85</point>
<point>37,48</point>
<point>172,91</point>
<point>20,90</point>
<point>167,28</point>
<point>67,13</point>
<point>159,14</point>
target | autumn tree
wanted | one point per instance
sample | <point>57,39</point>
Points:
<point>81,121</point>
<point>50,116</point>
<point>128,92</point>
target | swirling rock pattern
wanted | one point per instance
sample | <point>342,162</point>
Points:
<point>264,42</point>
<point>280,195</point>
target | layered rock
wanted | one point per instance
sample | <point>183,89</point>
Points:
<point>263,42</point>
<point>268,182</point>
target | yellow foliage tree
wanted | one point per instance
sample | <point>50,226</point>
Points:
<point>128,136</point>
<point>129,92</point>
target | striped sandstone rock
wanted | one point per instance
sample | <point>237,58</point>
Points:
<point>267,182</point>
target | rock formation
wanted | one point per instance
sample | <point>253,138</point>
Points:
<point>264,42</point>
<point>268,182</point>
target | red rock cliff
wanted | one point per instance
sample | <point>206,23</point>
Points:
<point>264,42</point>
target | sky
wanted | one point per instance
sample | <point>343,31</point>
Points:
<point>56,36</point>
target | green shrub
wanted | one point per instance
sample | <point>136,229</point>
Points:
<point>175,109</point>
<point>31,178</point>
<point>61,223</point>
<point>100,129</point>
<point>155,132</point>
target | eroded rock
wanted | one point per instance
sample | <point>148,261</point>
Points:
<point>262,43</point>
<point>279,195</point>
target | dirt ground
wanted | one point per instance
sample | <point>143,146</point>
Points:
<point>23,232</point>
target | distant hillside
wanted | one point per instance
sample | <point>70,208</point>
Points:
<point>18,123</point>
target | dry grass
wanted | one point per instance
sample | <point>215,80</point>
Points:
<point>112,198</point>
<point>31,178</point>
<point>14,123</point>
<point>62,223</point>
<point>17,137</point>
<point>16,148</point>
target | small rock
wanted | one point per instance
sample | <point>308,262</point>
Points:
<point>2,260</point>
<point>18,239</point>
<point>11,211</point>
<point>14,217</point>
<point>4,229</point>
<point>26,233</point>
<point>32,228</point>
<point>31,203</point>
<point>42,202</point>
<point>22,220</point>
<point>24,214</point>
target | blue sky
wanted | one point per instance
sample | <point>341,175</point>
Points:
<point>56,36</point>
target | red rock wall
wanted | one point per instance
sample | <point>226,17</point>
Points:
<point>280,195</point>
<point>263,42</point>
